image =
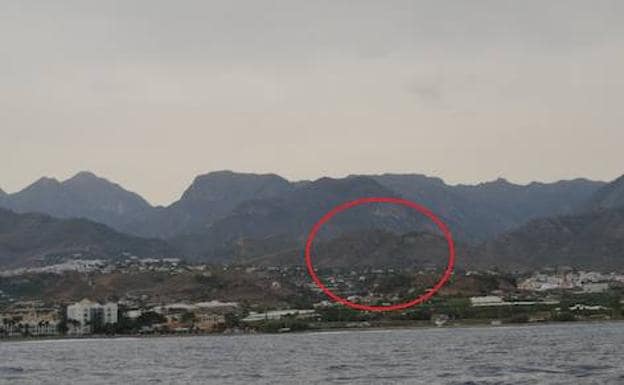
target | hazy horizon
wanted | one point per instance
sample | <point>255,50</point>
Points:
<point>150,94</point>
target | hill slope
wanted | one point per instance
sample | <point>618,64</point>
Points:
<point>26,239</point>
<point>591,240</point>
<point>291,216</point>
<point>609,196</point>
<point>210,197</point>
<point>368,249</point>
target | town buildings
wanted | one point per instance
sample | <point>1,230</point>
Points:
<point>199,317</point>
<point>585,281</point>
<point>88,316</point>
<point>31,318</point>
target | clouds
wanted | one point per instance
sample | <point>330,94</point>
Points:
<point>465,90</point>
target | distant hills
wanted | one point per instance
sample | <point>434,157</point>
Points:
<point>28,239</point>
<point>591,237</point>
<point>82,196</point>
<point>475,212</point>
<point>479,212</point>
<point>225,215</point>
<point>590,240</point>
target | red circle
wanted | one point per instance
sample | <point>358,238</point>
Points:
<point>398,201</point>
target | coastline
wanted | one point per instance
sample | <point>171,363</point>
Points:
<point>429,326</point>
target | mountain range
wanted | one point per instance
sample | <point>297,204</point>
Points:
<point>593,237</point>
<point>589,240</point>
<point>225,215</point>
<point>475,212</point>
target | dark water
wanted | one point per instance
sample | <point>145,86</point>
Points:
<point>547,354</point>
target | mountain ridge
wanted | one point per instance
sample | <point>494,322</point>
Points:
<point>84,195</point>
<point>292,215</point>
<point>476,212</point>
<point>222,211</point>
<point>210,197</point>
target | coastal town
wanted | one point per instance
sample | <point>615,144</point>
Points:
<point>285,299</point>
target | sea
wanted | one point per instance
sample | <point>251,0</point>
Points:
<point>575,353</point>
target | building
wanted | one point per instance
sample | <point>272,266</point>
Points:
<point>85,316</point>
<point>279,314</point>
<point>595,287</point>
<point>581,307</point>
<point>32,318</point>
<point>491,300</point>
<point>487,300</point>
<point>209,322</point>
<point>197,317</point>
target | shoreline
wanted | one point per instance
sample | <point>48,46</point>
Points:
<point>470,325</point>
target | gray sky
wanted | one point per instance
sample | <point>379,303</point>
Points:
<point>151,93</point>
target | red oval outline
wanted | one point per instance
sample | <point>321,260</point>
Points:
<point>398,201</point>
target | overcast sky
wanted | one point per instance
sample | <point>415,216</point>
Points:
<point>151,93</point>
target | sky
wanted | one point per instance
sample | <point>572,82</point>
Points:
<point>150,94</point>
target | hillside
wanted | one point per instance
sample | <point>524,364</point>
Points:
<point>225,215</point>
<point>585,239</point>
<point>210,197</point>
<point>291,216</point>
<point>592,240</point>
<point>609,196</point>
<point>369,249</point>
<point>160,286</point>
<point>26,239</point>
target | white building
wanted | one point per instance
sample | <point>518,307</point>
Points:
<point>595,287</point>
<point>87,314</point>
<point>491,300</point>
<point>487,300</point>
<point>279,314</point>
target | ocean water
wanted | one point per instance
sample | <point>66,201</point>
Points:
<point>547,354</point>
